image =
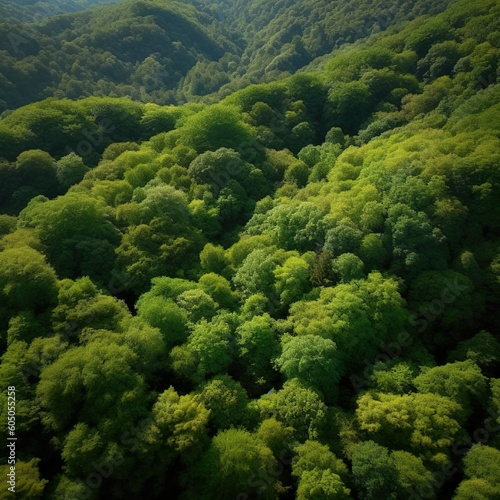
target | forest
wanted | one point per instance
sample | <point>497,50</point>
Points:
<point>251,250</point>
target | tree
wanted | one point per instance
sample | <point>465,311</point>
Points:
<point>256,274</point>
<point>81,305</point>
<point>292,278</point>
<point>28,483</point>
<point>219,289</point>
<point>425,423</point>
<point>416,244</point>
<point>166,315</point>
<point>349,105</point>
<point>235,464</point>
<point>213,259</point>
<point>319,484</point>
<point>77,231</point>
<point>312,455</point>
<point>348,267</point>
<point>482,472</point>
<point>357,316</point>
<point>36,168</point>
<point>215,127</point>
<point>17,370</point>
<point>446,304</point>
<point>412,474</point>
<point>26,280</point>
<point>295,226</point>
<point>227,401</point>
<point>197,304</point>
<point>374,471</point>
<point>257,345</point>
<point>181,420</point>
<point>95,384</point>
<point>461,381</point>
<point>70,170</point>
<point>297,406</point>
<point>313,360</point>
<point>217,168</point>
<point>483,349</point>
<point>343,239</point>
<point>207,351</point>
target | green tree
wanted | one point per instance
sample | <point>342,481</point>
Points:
<point>166,315</point>
<point>227,401</point>
<point>350,105</point>
<point>26,280</point>
<point>213,259</point>
<point>181,420</point>
<point>215,127</point>
<point>28,483</point>
<point>77,231</point>
<point>425,423</point>
<point>70,170</point>
<point>197,304</point>
<point>348,267</point>
<point>36,168</point>
<point>94,384</point>
<point>207,351</point>
<point>297,406</point>
<point>313,360</point>
<point>483,349</point>
<point>312,455</point>
<point>257,345</point>
<point>81,305</point>
<point>219,289</point>
<point>461,381</point>
<point>374,471</point>
<point>412,474</point>
<point>235,463</point>
<point>319,484</point>
<point>292,278</point>
<point>482,472</point>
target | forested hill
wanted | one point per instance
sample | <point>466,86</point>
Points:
<point>27,11</point>
<point>290,293</point>
<point>170,52</point>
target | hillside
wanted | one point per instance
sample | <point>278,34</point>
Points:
<point>292,292</point>
<point>170,52</point>
<point>28,11</point>
<point>137,49</point>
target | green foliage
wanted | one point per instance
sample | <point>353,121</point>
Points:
<point>257,345</point>
<point>313,360</point>
<point>181,420</point>
<point>460,381</point>
<point>317,484</point>
<point>482,473</point>
<point>26,280</point>
<point>166,315</point>
<point>77,233</point>
<point>297,406</point>
<point>232,465</point>
<point>28,483</point>
<point>374,470</point>
<point>227,402</point>
<point>206,352</point>
<point>218,126</point>
<point>93,384</point>
<point>426,423</point>
<point>312,455</point>
<point>221,299</point>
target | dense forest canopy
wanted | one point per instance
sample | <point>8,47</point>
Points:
<point>173,52</point>
<point>289,288</point>
<point>29,11</point>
